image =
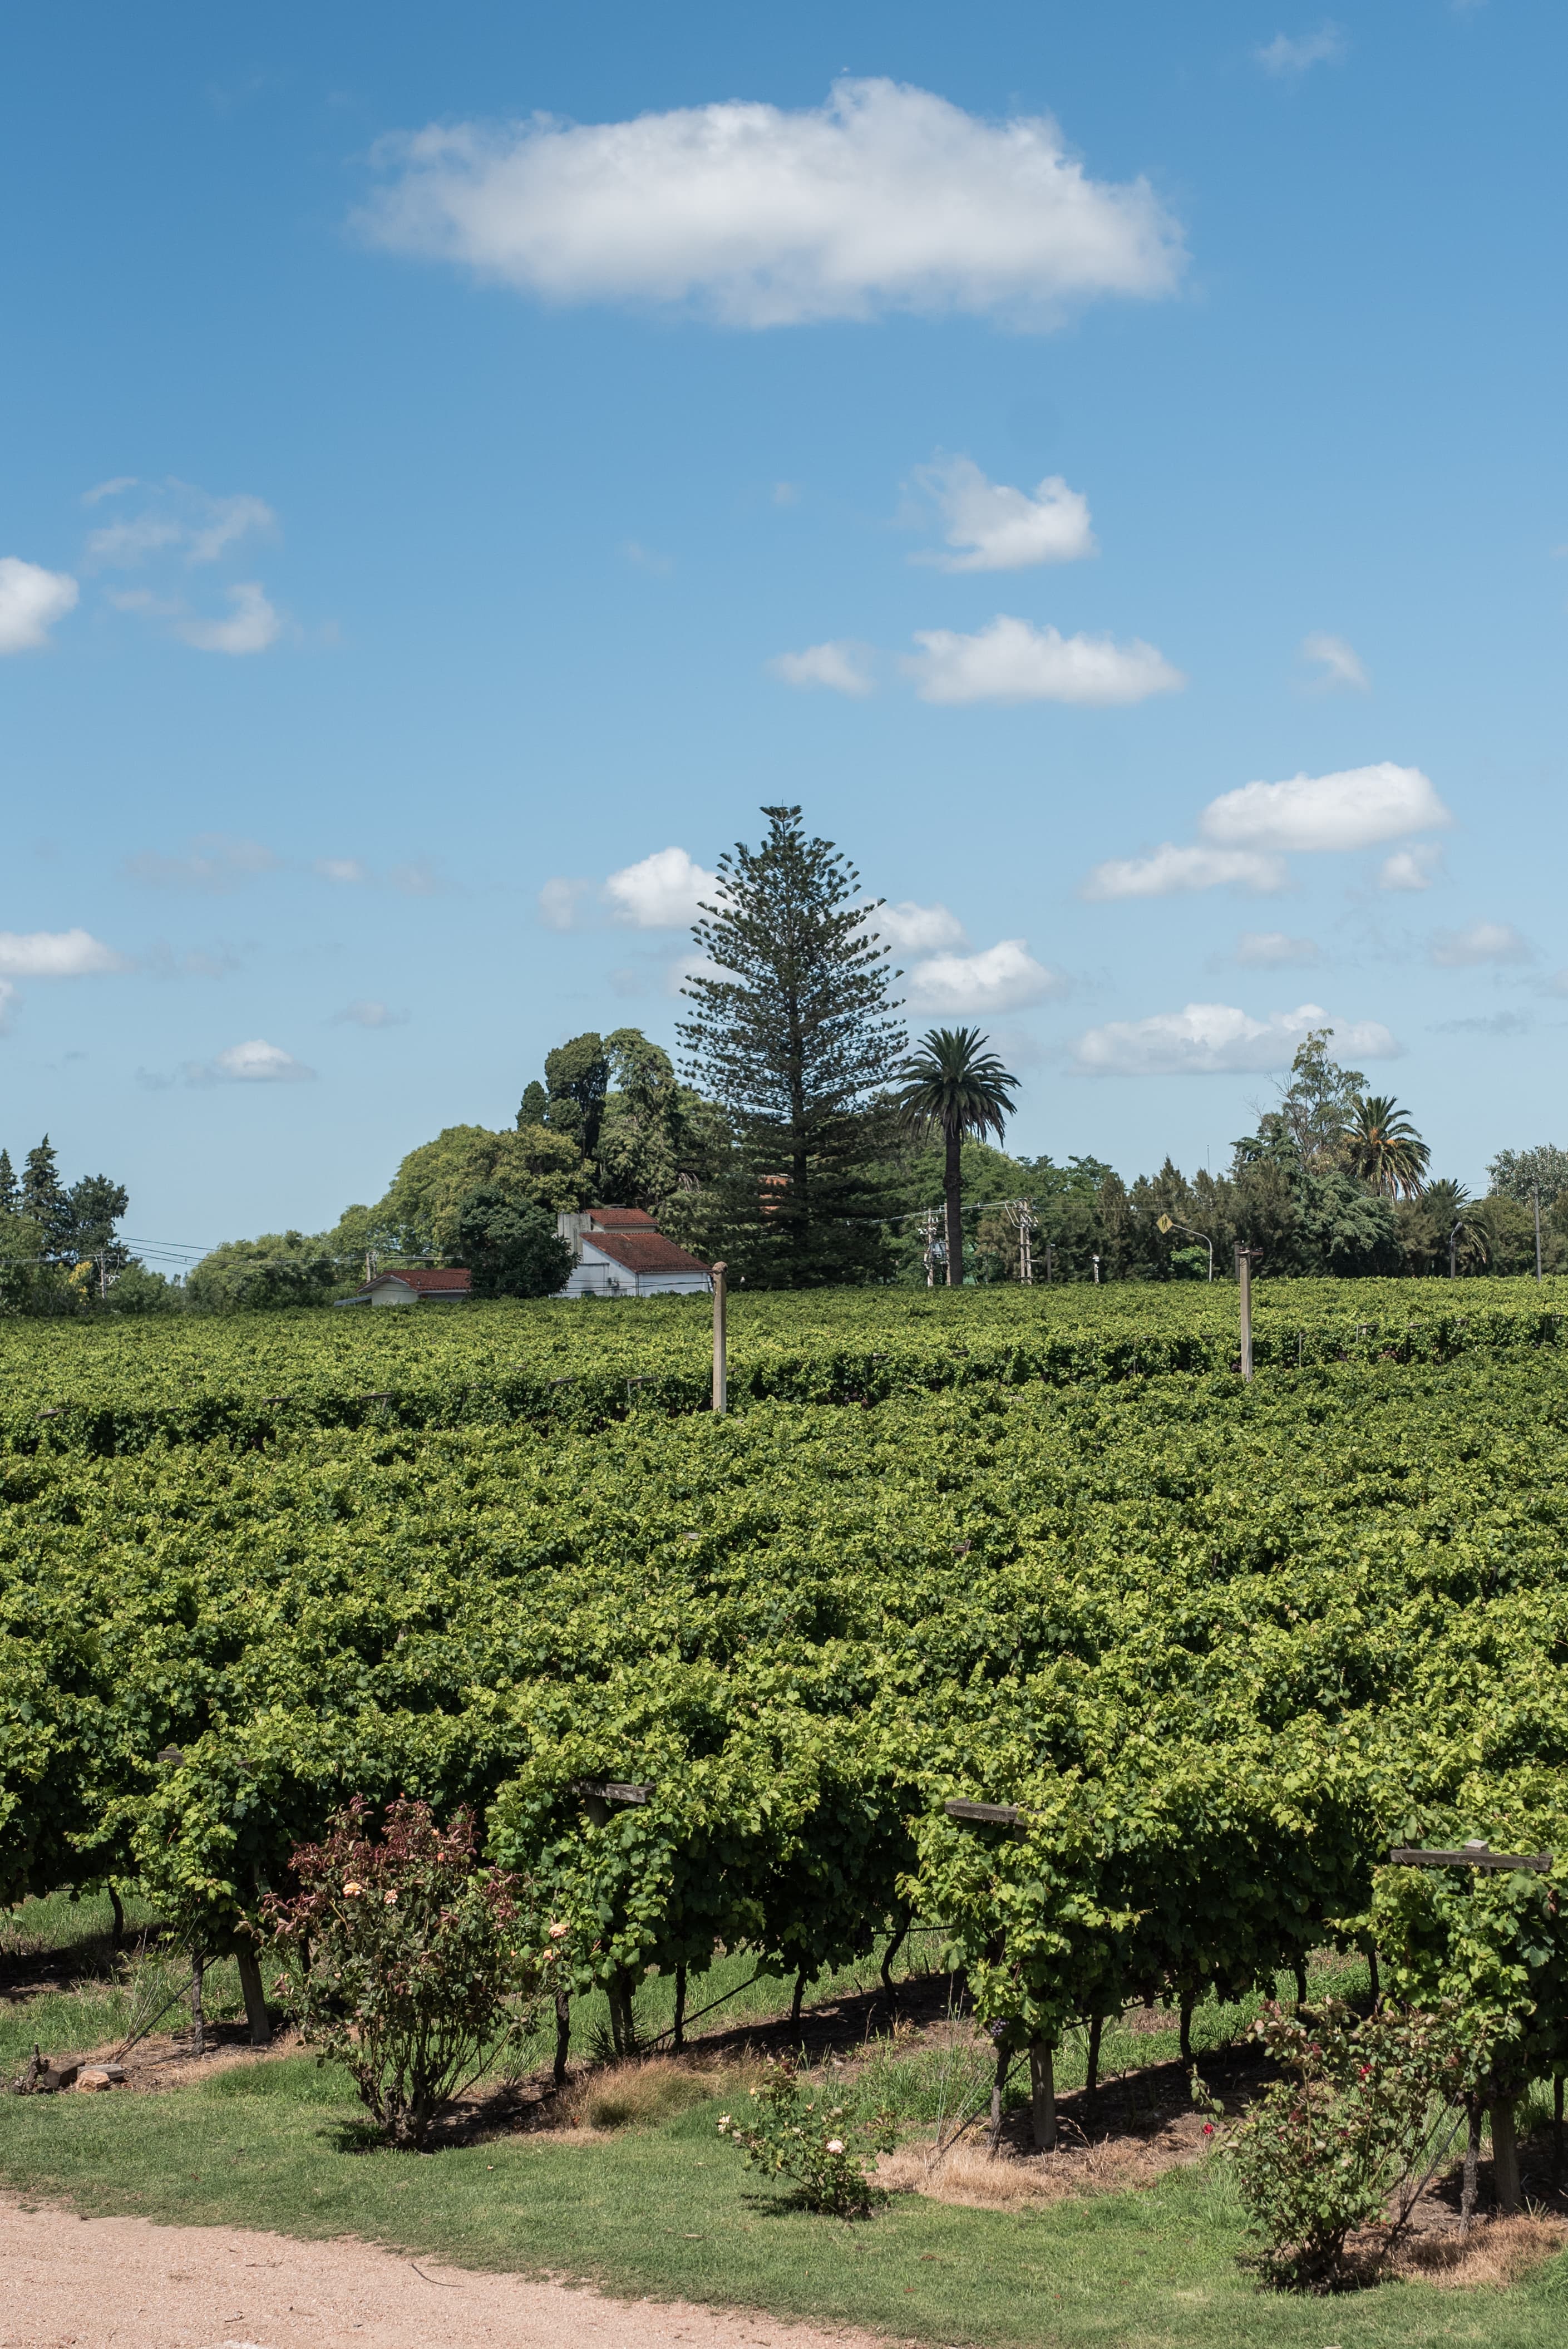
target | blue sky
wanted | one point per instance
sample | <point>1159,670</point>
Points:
<point>451,459</point>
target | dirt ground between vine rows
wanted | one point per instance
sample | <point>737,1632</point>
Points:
<point>67,2283</point>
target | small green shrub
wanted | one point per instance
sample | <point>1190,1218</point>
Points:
<point>791,2134</point>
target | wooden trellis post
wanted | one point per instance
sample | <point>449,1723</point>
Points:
<point>1479,1855</point>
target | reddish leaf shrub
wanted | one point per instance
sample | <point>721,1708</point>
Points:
<point>417,1971</point>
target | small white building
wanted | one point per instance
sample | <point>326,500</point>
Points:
<point>415,1285</point>
<point>621,1252</point>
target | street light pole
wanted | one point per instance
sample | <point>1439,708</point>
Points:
<point>1169,1223</point>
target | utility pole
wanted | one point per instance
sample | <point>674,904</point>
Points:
<point>1020,1214</point>
<point>720,1360</point>
<point>1535,1195</point>
<point>1453,1253</point>
<point>1049,1252</point>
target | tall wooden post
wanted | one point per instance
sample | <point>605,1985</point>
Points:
<point>1043,2095</point>
<point>1245,1283</point>
<point>720,1361</point>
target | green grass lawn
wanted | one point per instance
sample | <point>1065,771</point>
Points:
<point>669,2210</point>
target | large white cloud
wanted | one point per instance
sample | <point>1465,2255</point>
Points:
<point>994,528</point>
<point>664,892</point>
<point>252,627</point>
<point>1003,977</point>
<point>885,199</point>
<point>841,666</point>
<point>1206,1039</point>
<point>1010,660</point>
<point>1483,942</point>
<point>1169,869</point>
<point>31,600</point>
<point>1354,809</point>
<point>54,954</point>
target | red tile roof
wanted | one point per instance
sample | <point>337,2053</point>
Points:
<point>642,1251</point>
<point>620,1219</point>
<point>452,1281</point>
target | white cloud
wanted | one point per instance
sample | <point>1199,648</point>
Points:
<point>345,870</point>
<point>1483,942</point>
<point>369,1013</point>
<point>1354,809</point>
<point>1411,868</point>
<point>1285,55</point>
<point>1010,660</point>
<point>885,199</point>
<point>1003,977</point>
<point>660,892</point>
<point>31,600</point>
<point>182,520</point>
<point>108,489</point>
<point>255,625</point>
<point>214,864</point>
<point>1339,663</point>
<point>1167,869</point>
<point>1217,1040</point>
<point>840,666</point>
<point>259,1062</point>
<point>692,966</point>
<point>1272,950</point>
<point>917,929</point>
<point>55,954</point>
<point>644,558</point>
<point>254,1063</point>
<point>1002,529</point>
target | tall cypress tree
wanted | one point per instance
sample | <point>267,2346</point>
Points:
<point>10,1192</point>
<point>793,1029</point>
<point>43,1194</point>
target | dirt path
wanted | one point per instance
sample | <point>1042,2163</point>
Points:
<point>67,2283</point>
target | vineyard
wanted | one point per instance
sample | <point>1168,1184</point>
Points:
<point>1220,1647</point>
<point>260,1378</point>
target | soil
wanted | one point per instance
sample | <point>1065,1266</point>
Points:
<point>67,2283</point>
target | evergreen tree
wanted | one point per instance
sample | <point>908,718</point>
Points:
<point>793,1030</point>
<point>577,1078</point>
<point>43,1197</point>
<point>10,1189</point>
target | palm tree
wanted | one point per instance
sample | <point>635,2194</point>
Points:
<point>952,1086</point>
<point>1454,1223</point>
<point>1385,1147</point>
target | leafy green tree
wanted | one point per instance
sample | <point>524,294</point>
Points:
<point>577,1079</point>
<point>1315,1110</point>
<point>135,1289</point>
<point>792,1031</point>
<point>532,1165</point>
<point>93,1207</point>
<point>512,1250</point>
<point>952,1087</point>
<point>1384,1147</point>
<point>259,1275</point>
<point>1444,1211</point>
<point>1515,1174</point>
<point>534,1104</point>
<point>27,1285</point>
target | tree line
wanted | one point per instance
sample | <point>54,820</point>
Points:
<point>803,1139</point>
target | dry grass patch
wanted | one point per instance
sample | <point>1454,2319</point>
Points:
<point>640,2094</point>
<point>1496,2252</point>
<point>969,2175</point>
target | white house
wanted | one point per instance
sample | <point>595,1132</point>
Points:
<point>415,1285</point>
<point>621,1252</point>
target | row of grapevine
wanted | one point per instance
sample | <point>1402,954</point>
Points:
<point>1220,1647</point>
<point>111,1388</point>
